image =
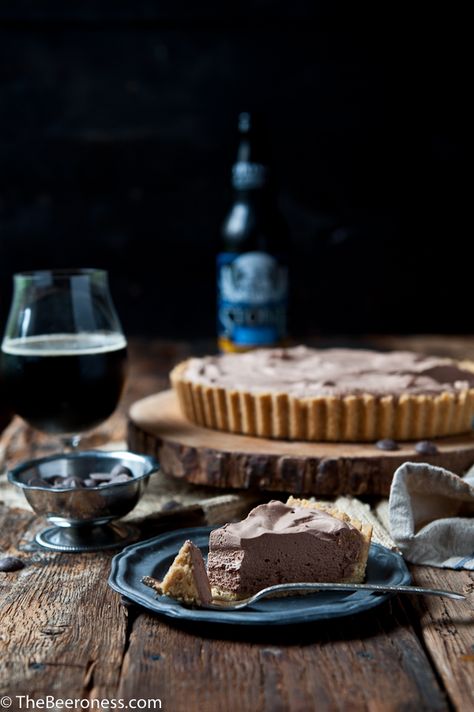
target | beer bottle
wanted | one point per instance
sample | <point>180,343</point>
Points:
<point>252,272</point>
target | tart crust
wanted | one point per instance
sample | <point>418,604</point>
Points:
<point>186,579</point>
<point>352,418</point>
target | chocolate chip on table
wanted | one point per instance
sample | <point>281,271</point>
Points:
<point>121,470</point>
<point>11,563</point>
<point>387,444</point>
<point>170,504</point>
<point>426,447</point>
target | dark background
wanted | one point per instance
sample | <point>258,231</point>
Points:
<point>117,132</point>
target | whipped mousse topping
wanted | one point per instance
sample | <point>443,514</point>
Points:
<point>304,372</point>
<point>278,519</point>
<point>278,543</point>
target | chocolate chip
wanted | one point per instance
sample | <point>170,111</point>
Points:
<point>121,470</point>
<point>37,481</point>
<point>11,563</point>
<point>121,478</point>
<point>71,482</point>
<point>425,447</point>
<point>387,444</point>
<point>170,504</point>
<point>57,480</point>
<point>101,476</point>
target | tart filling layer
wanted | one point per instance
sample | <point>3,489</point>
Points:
<point>282,543</point>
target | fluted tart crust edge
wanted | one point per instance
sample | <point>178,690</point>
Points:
<point>352,418</point>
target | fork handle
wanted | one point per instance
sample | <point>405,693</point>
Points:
<point>377,587</point>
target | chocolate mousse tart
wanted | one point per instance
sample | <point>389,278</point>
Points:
<point>296,542</point>
<point>328,395</point>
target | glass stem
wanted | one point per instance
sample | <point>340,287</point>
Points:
<point>70,442</point>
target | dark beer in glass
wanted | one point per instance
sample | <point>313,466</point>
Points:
<point>65,383</point>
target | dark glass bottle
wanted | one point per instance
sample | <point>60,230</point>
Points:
<point>252,271</point>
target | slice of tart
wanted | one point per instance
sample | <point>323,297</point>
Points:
<point>286,543</point>
<point>186,579</point>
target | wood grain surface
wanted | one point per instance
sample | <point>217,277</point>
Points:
<point>371,662</point>
<point>447,631</point>
<point>64,632</point>
<point>212,457</point>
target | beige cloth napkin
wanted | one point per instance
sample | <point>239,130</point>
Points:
<point>431,514</point>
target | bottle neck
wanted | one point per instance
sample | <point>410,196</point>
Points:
<point>249,175</point>
<point>252,182</point>
<point>264,197</point>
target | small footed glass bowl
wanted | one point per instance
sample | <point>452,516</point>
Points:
<point>82,514</point>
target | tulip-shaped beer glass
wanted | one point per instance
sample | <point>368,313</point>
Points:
<point>64,352</point>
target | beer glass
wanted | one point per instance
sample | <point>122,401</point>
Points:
<point>64,352</point>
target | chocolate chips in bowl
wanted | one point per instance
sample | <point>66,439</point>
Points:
<point>81,493</point>
<point>119,473</point>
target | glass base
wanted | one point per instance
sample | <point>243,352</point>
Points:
<point>81,539</point>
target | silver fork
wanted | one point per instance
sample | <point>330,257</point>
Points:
<point>223,604</point>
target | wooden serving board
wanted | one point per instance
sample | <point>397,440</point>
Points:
<point>211,457</point>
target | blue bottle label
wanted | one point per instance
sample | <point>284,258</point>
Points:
<point>252,299</point>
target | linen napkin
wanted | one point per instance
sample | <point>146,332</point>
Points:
<point>431,515</point>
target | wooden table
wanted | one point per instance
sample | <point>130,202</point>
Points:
<point>65,633</point>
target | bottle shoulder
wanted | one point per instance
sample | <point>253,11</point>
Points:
<point>253,227</point>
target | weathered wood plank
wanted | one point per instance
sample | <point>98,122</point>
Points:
<point>447,630</point>
<point>371,662</point>
<point>62,629</point>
